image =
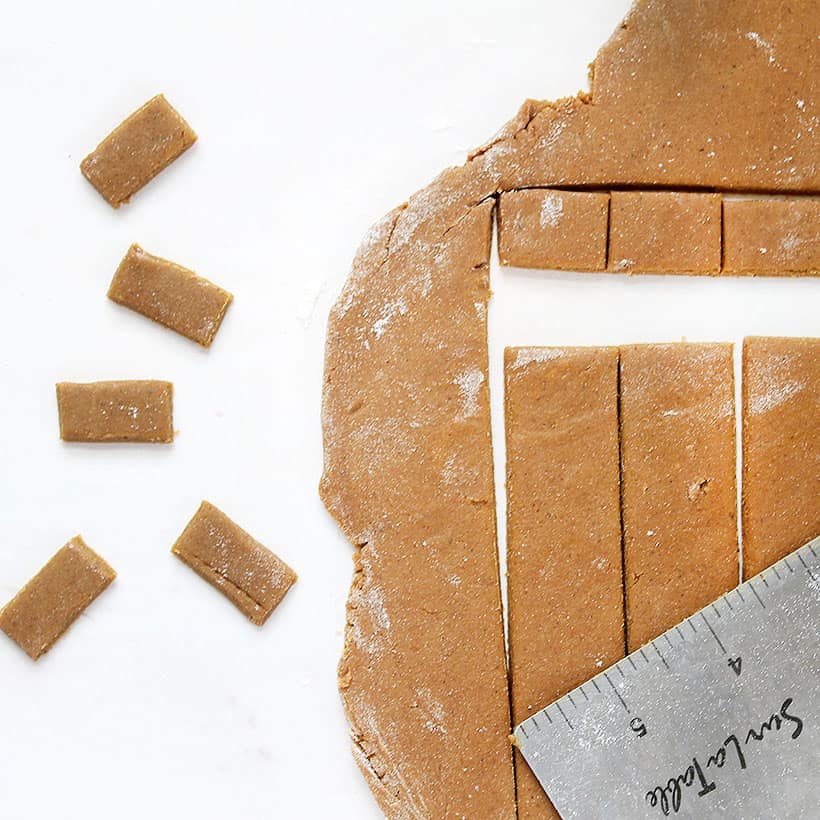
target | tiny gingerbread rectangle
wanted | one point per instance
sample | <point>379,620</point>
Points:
<point>55,597</point>
<point>133,411</point>
<point>243,570</point>
<point>169,294</point>
<point>137,150</point>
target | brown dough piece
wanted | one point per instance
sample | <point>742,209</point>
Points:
<point>675,101</point>
<point>247,573</point>
<point>565,580</point>
<point>678,488</point>
<point>40,614</point>
<point>137,150</point>
<point>771,236</point>
<point>408,474</point>
<point>781,448</point>
<point>136,411</point>
<point>554,230</point>
<point>402,330</point>
<point>169,294</point>
<point>664,232</point>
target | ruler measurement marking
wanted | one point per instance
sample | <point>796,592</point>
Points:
<point>728,603</point>
<point>634,665</point>
<point>615,690</point>
<point>659,654</point>
<point>800,559</point>
<point>759,599</point>
<point>740,594</point>
<point>595,684</point>
<point>714,634</point>
<point>535,723</point>
<point>569,695</point>
<point>682,636</point>
<point>563,715</point>
<point>692,624</point>
<point>581,690</point>
<point>779,576</point>
<point>786,562</point>
<point>524,732</point>
<point>808,568</point>
<point>812,550</point>
<point>717,611</point>
<point>620,670</point>
<point>765,582</point>
<point>643,655</point>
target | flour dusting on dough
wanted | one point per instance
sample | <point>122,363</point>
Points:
<point>790,243</point>
<point>774,395</point>
<point>432,711</point>
<point>528,355</point>
<point>553,132</point>
<point>378,758</point>
<point>763,45</point>
<point>389,311</point>
<point>469,382</point>
<point>552,209</point>
<point>367,602</point>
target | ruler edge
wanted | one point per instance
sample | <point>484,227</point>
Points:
<point>532,721</point>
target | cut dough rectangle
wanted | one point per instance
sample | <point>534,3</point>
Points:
<point>136,411</point>
<point>771,236</point>
<point>247,573</point>
<point>565,581</point>
<point>678,487</point>
<point>553,230</point>
<point>169,294</point>
<point>664,232</point>
<point>55,597</point>
<point>781,448</point>
<point>137,150</point>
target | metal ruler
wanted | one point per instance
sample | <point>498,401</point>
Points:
<point>718,717</point>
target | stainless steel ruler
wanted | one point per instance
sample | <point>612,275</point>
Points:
<point>718,717</point>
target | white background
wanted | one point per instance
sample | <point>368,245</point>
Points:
<point>314,120</point>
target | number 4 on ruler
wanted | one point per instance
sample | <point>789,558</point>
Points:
<point>736,664</point>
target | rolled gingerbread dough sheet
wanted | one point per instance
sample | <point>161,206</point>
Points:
<point>405,358</point>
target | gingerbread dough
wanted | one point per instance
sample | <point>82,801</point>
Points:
<point>246,572</point>
<point>139,148</point>
<point>555,230</point>
<point>678,490</point>
<point>169,294</point>
<point>663,232</point>
<point>772,237</point>
<point>38,616</point>
<point>781,448</point>
<point>135,411</point>
<point>565,596</point>
<point>675,101</point>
